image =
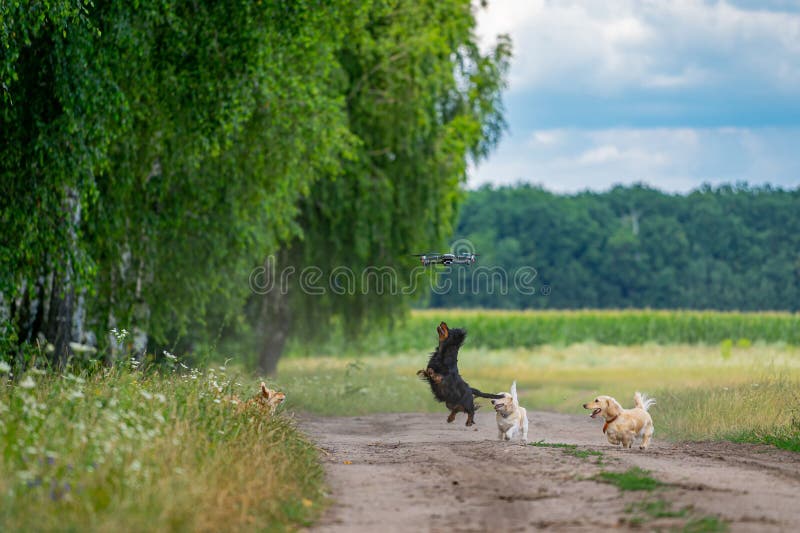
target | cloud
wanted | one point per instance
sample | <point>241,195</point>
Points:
<point>672,159</point>
<point>670,92</point>
<point>622,45</point>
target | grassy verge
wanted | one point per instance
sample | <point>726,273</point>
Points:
<point>136,451</point>
<point>762,411</point>
<point>702,391</point>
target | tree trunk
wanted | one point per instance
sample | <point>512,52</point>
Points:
<point>59,322</point>
<point>274,322</point>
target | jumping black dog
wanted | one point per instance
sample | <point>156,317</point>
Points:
<point>442,374</point>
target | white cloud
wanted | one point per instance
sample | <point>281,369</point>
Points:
<point>545,137</point>
<point>613,45</point>
<point>706,90</point>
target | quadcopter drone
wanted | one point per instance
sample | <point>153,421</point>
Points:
<point>463,258</point>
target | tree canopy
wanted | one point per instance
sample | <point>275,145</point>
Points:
<point>153,153</point>
<point>726,248</point>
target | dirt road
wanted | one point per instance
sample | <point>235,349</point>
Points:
<point>415,472</point>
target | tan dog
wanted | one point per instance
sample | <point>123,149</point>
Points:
<point>267,399</point>
<point>512,419</point>
<point>623,426</point>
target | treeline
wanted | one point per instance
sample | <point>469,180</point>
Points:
<point>725,248</point>
<point>153,154</point>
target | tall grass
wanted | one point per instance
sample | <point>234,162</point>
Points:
<point>509,329</point>
<point>738,392</point>
<point>765,410</point>
<point>138,451</point>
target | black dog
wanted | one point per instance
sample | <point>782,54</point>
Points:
<point>446,383</point>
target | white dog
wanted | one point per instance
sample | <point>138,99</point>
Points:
<point>511,418</point>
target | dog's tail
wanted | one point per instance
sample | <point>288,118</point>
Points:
<point>642,401</point>
<point>476,392</point>
<point>514,393</point>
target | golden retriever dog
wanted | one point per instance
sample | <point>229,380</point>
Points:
<point>623,426</point>
<point>512,419</point>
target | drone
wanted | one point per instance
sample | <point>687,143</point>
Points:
<point>463,258</point>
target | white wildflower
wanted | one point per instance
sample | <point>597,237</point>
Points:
<point>5,368</point>
<point>27,383</point>
<point>170,356</point>
<point>75,394</point>
<point>161,398</point>
<point>26,475</point>
<point>146,395</point>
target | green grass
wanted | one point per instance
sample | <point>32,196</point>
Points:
<point>495,330</point>
<point>649,510</point>
<point>705,524</point>
<point>762,411</point>
<point>631,480</point>
<point>657,509</point>
<point>569,449</point>
<point>558,378</point>
<point>164,450</point>
<point>701,392</point>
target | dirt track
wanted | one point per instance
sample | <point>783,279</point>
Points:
<point>415,472</point>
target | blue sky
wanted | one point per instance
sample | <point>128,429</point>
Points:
<point>672,93</point>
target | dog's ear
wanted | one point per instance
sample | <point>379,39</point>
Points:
<point>613,408</point>
<point>264,390</point>
<point>443,331</point>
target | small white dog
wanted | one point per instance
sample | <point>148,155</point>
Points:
<point>623,426</point>
<point>511,418</point>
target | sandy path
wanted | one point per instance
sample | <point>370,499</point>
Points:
<point>415,472</point>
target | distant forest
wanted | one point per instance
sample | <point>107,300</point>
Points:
<point>726,248</point>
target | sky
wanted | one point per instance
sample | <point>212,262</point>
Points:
<point>670,93</point>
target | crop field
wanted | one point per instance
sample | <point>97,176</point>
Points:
<point>494,329</point>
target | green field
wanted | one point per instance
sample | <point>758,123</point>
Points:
<point>701,390</point>
<point>527,329</point>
